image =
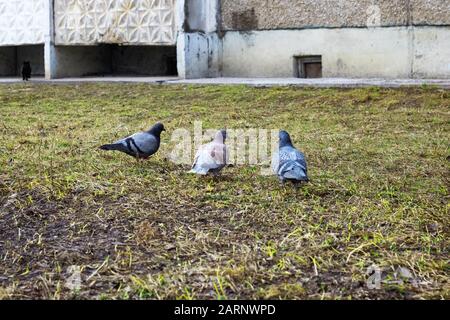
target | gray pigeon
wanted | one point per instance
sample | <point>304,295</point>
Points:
<point>211,157</point>
<point>140,145</point>
<point>289,163</point>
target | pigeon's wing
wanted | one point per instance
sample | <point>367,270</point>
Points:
<point>144,143</point>
<point>197,156</point>
<point>210,156</point>
<point>292,164</point>
<point>219,153</point>
<point>292,154</point>
<point>122,145</point>
<point>202,161</point>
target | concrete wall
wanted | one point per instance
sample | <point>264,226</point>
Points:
<point>229,37</point>
<point>396,52</point>
<point>201,54</point>
<point>23,22</point>
<point>87,22</point>
<point>430,12</point>
<point>199,47</point>
<point>356,38</point>
<point>295,14</point>
<point>431,58</point>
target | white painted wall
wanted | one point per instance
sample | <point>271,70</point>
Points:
<point>431,52</point>
<point>22,22</point>
<point>398,52</point>
<point>138,22</point>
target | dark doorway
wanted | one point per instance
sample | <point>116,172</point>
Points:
<point>144,60</point>
<point>116,60</point>
<point>12,58</point>
<point>308,67</point>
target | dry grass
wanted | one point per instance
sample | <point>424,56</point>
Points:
<point>379,164</point>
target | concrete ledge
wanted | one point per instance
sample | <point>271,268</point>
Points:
<point>257,82</point>
<point>323,82</point>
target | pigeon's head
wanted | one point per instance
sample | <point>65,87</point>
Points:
<point>285,139</point>
<point>221,136</point>
<point>157,129</point>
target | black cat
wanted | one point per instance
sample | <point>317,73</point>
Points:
<point>26,71</point>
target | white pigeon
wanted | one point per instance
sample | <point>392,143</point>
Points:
<point>211,157</point>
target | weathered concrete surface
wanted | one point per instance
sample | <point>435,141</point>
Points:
<point>264,82</point>
<point>22,22</point>
<point>200,55</point>
<point>101,79</point>
<point>199,47</point>
<point>431,57</point>
<point>79,22</point>
<point>353,53</point>
<point>397,52</point>
<point>323,82</point>
<point>201,15</point>
<point>294,14</point>
<point>430,12</point>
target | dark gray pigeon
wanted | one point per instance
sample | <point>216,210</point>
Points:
<point>211,157</point>
<point>289,163</point>
<point>140,145</point>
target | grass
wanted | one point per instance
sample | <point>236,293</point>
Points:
<point>379,168</point>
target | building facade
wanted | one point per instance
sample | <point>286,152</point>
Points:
<point>229,38</point>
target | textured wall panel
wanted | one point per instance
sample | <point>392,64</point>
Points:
<point>297,14</point>
<point>22,22</point>
<point>149,22</point>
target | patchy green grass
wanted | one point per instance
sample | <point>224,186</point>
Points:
<point>378,161</point>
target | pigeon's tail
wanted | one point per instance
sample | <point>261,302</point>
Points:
<point>297,173</point>
<point>201,171</point>
<point>108,147</point>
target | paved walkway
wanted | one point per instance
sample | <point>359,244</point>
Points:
<point>323,82</point>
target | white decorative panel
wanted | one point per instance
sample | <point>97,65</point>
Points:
<point>115,21</point>
<point>22,21</point>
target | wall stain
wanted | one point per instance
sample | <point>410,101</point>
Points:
<point>244,20</point>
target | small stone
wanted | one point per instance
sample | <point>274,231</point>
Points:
<point>404,273</point>
<point>169,247</point>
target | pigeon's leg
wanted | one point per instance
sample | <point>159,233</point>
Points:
<point>282,181</point>
<point>297,184</point>
<point>215,175</point>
